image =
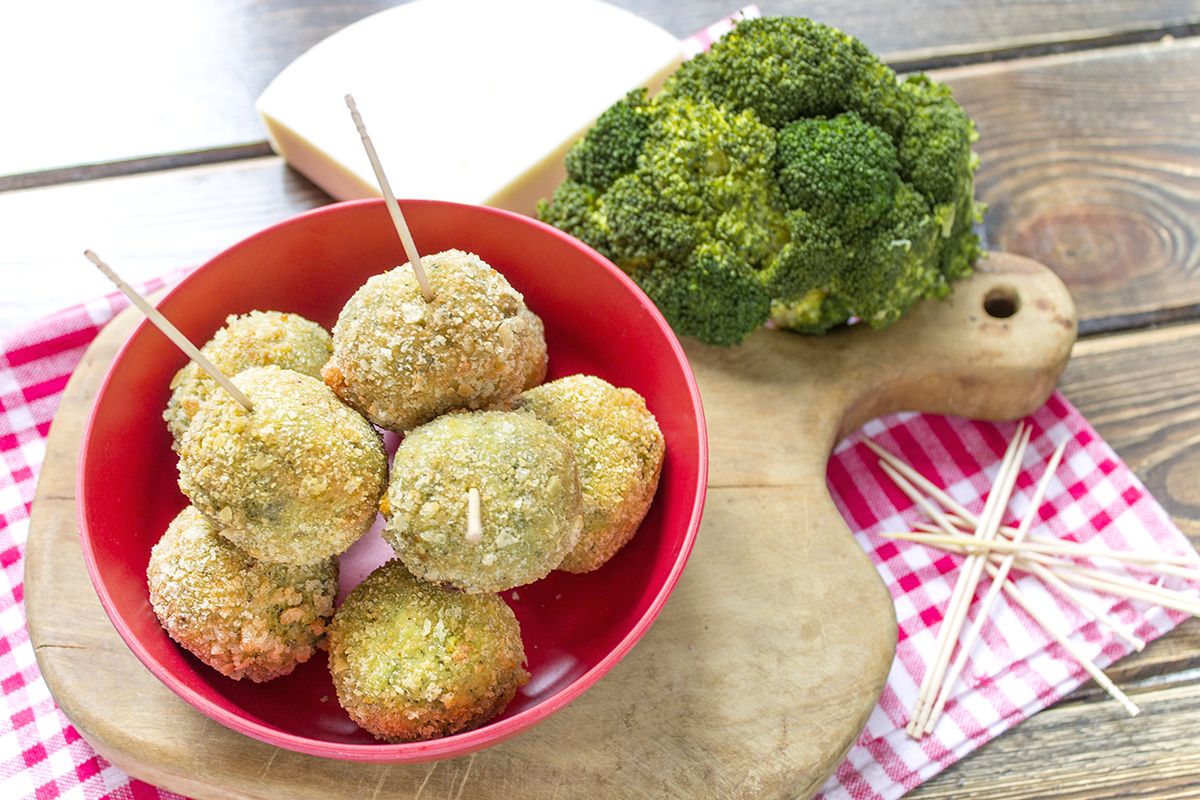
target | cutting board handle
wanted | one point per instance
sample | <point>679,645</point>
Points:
<point>992,350</point>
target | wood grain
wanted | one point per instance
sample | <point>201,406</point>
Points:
<point>763,666</point>
<point>1080,751</point>
<point>1100,182</point>
<point>1091,164</point>
<point>1142,393</point>
<point>160,85</point>
<point>947,31</point>
<point>144,225</point>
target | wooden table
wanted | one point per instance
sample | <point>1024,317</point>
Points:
<point>130,128</point>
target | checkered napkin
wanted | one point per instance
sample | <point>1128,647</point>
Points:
<point>41,754</point>
<point>1015,669</point>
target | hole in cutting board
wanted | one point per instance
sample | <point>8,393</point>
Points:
<point>1002,302</point>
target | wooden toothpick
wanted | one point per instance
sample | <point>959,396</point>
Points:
<point>989,598</point>
<point>1067,573</point>
<point>171,332</point>
<point>1190,573</point>
<point>1183,566</point>
<point>1040,565</point>
<point>474,517</point>
<point>1075,652</point>
<point>1063,548</point>
<point>410,247</point>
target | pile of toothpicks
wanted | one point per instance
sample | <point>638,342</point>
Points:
<point>998,549</point>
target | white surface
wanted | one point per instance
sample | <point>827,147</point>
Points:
<point>509,86</point>
<point>474,101</point>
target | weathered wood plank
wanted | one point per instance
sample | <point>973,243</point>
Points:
<point>1142,393</point>
<point>144,225</point>
<point>134,79</point>
<point>1171,659</point>
<point>1085,751</point>
<point>1091,165</point>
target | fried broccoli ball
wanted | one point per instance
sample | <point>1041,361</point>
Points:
<point>402,361</point>
<point>619,453</point>
<point>244,618</point>
<point>411,661</point>
<point>530,501</point>
<point>296,480</point>
<point>257,339</point>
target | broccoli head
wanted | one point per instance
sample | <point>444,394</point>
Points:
<point>785,174</point>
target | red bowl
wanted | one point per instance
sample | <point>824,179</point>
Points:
<point>575,627</point>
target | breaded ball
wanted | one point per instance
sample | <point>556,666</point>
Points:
<point>530,501</point>
<point>242,617</point>
<point>296,480</point>
<point>619,452</point>
<point>402,361</point>
<point>411,661</point>
<point>257,339</point>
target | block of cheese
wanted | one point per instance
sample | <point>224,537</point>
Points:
<point>475,101</point>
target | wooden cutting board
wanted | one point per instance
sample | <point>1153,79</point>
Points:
<point>767,659</point>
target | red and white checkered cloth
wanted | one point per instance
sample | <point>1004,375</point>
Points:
<point>1015,669</point>
<point>41,754</point>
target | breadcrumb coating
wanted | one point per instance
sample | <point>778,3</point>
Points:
<point>257,339</point>
<point>402,361</point>
<point>619,452</point>
<point>244,618</point>
<point>412,661</point>
<point>296,480</point>
<point>531,505</point>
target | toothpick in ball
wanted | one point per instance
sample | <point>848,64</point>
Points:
<point>410,247</point>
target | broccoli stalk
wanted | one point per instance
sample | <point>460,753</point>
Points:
<point>785,174</point>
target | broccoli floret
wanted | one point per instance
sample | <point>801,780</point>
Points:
<point>961,247</point>
<point>821,280</point>
<point>647,228</point>
<point>935,148</point>
<point>713,298</point>
<point>814,312</point>
<point>786,173</point>
<point>809,261</point>
<point>702,156</point>
<point>786,68</point>
<point>613,145</point>
<point>896,265</point>
<point>575,207</point>
<point>840,167</point>
<point>704,176</point>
